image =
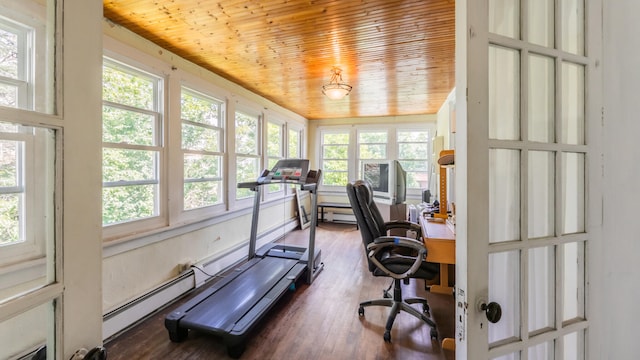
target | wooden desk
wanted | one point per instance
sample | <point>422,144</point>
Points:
<point>441,248</point>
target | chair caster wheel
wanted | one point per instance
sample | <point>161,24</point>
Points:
<point>361,311</point>
<point>387,336</point>
<point>434,334</point>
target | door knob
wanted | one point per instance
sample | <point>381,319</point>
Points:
<point>492,310</point>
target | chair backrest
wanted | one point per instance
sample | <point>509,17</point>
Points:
<point>370,221</point>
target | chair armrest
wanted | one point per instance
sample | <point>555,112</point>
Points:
<point>404,224</point>
<point>384,242</point>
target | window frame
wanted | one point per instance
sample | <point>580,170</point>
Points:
<point>222,139</point>
<point>160,219</point>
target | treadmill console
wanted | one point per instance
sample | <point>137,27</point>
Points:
<point>294,170</point>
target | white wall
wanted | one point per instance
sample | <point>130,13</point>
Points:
<point>620,275</point>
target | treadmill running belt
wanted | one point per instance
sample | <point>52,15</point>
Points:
<point>220,311</point>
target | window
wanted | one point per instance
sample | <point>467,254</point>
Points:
<point>372,145</point>
<point>247,136</point>
<point>132,143</point>
<point>413,155</point>
<point>202,148</point>
<point>341,161</point>
<point>335,158</point>
<point>15,64</point>
<point>30,178</point>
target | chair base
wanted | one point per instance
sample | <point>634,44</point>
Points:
<point>397,304</point>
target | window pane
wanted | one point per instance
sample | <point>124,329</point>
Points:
<point>335,152</point>
<point>335,165</point>
<point>334,178</point>
<point>247,170</point>
<point>9,163</point>
<point>200,138</point>
<point>201,194</point>
<point>127,203</point>
<point>541,194</point>
<point>200,109</point>
<point>127,88</point>
<point>504,195</point>
<point>294,144</point>
<point>8,95</point>
<point>370,151</point>
<point>573,190</point>
<point>542,282</point>
<point>572,103</point>
<point>413,136</point>
<point>574,346</point>
<point>8,53</point>
<point>504,93</point>
<point>342,138</point>
<point>29,330</point>
<point>573,281</point>
<point>246,134</point>
<point>541,104</point>
<point>541,22</point>
<point>504,288</point>
<point>543,351</point>
<point>197,166</point>
<point>504,17</point>
<point>10,218</point>
<point>372,137</point>
<point>413,151</point>
<point>572,23</point>
<point>125,126</point>
<point>128,165</point>
<point>274,139</point>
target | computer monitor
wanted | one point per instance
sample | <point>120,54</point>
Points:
<point>388,180</point>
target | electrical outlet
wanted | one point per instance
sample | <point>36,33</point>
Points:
<point>185,266</point>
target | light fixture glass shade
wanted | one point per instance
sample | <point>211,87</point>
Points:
<point>335,89</point>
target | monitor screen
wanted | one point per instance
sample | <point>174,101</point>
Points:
<point>377,174</point>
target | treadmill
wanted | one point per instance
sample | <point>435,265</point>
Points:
<point>231,307</point>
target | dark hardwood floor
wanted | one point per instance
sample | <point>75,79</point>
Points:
<point>317,321</point>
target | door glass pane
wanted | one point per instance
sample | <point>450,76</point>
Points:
<point>572,103</point>
<point>504,288</point>
<point>28,331</point>
<point>541,193</point>
<point>504,17</point>
<point>504,195</point>
<point>504,93</point>
<point>542,281</point>
<point>541,22</point>
<point>541,97</point>
<point>573,190</point>
<point>573,281</point>
<point>542,351</point>
<point>572,26</point>
<point>574,346</point>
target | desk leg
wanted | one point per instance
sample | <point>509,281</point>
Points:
<point>443,287</point>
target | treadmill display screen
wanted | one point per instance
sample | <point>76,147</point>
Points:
<point>287,173</point>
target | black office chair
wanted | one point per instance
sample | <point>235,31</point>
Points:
<point>400,258</point>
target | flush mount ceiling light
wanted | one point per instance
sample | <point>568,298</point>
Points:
<point>336,89</point>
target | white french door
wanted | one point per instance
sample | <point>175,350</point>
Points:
<point>524,170</point>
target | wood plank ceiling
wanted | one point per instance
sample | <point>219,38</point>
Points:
<point>397,55</point>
